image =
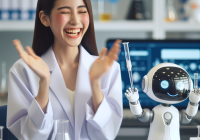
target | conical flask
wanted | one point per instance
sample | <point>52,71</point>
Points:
<point>61,130</point>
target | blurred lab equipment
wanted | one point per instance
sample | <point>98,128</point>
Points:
<point>184,10</point>
<point>198,136</point>
<point>24,9</point>
<point>104,10</point>
<point>171,14</point>
<point>95,9</point>
<point>61,130</point>
<point>3,82</point>
<point>136,10</point>
<point>128,63</point>
<point>195,10</point>
<point>4,6</point>
<point>33,8</point>
<point>14,9</point>
<point>114,9</point>
<point>1,132</point>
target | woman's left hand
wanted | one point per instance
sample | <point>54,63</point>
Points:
<point>104,62</point>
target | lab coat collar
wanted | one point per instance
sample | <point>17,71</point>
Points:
<point>82,90</point>
<point>50,58</point>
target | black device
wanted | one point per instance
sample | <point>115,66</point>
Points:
<point>136,10</point>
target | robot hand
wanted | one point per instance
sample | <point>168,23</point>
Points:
<point>132,96</point>
<point>194,97</point>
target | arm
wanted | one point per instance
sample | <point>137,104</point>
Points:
<point>192,108</point>
<point>25,118</point>
<point>144,115</point>
<point>105,122</point>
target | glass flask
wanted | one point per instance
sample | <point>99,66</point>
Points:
<point>104,10</point>
<point>114,9</point>
<point>3,80</point>
<point>95,9</point>
<point>1,132</point>
<point>171,14</point>
<point>61,130</point>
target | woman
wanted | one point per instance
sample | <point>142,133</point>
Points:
<point>61,78</point>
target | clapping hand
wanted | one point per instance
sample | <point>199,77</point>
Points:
<point>33,61</point>
<point>104,62</point>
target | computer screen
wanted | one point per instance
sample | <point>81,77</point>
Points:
<point>145,54</point>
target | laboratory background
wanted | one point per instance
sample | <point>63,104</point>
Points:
<point>158,31</point>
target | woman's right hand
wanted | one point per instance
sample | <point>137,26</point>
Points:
<point>33,61</point>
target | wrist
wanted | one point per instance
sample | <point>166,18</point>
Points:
<point>95,83</point>
<point>44,81</point>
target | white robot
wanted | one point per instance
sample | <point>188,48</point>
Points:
<point>168,84</point>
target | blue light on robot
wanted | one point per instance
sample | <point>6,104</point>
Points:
<point>180,85</point>
<point>172,95</point>
<point>164,84</point>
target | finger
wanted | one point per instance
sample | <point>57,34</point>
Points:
<point>127,91</point>
<point>112,57</point>
<point>103,52</point>
<point>126,95</point>
<point>18,46</point>
<point>114,51</point>
<point>31,52</point>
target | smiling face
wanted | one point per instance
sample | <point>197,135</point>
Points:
<point>171,84</point>
<point>69,20</point>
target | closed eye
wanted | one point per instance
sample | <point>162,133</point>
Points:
<point>83,12</point>
<point>64,12</point>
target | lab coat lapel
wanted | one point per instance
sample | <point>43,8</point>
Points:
<point>83,89</point>
<point>57,84</point>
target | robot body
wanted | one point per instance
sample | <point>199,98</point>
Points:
<point>166,83</point>
<point>165,124</point>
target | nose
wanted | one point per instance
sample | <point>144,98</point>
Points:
<point>74,19</point>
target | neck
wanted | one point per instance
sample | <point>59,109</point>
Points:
<point>165,105</point>
<point>66,55</point>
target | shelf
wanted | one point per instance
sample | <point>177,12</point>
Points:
<point>17,25</point>
<point>121,25</point>
<point>181,27</point>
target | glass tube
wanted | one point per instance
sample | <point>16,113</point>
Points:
<point>195,80</point>
<point>128,62</point>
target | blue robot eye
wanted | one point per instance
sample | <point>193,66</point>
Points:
<point>180,85</point>
<point>164,84</point>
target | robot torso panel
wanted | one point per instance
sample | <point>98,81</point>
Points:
<point>165,124</point>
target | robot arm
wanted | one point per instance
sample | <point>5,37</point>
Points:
<point>144,115</point>
<point>192,108</point>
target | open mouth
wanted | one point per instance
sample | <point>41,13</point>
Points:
<point>73,33</point>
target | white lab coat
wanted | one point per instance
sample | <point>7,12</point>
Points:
<point>26,120</point>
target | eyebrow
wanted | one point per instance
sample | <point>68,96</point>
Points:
<point>67,7</point>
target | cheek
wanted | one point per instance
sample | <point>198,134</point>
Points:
<point>86,20</point>
<point>60,19</point>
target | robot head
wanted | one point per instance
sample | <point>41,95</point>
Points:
<point>167,83</point>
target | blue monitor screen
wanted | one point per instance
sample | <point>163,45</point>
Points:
<point>145,54</point>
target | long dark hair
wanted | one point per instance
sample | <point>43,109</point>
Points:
<point>43,36</point>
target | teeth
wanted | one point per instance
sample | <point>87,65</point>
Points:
<point>73,31</point>
<point>72,34</point>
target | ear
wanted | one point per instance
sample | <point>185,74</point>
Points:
<point>44,19</point>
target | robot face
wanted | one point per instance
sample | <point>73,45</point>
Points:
<point>171,84</point>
